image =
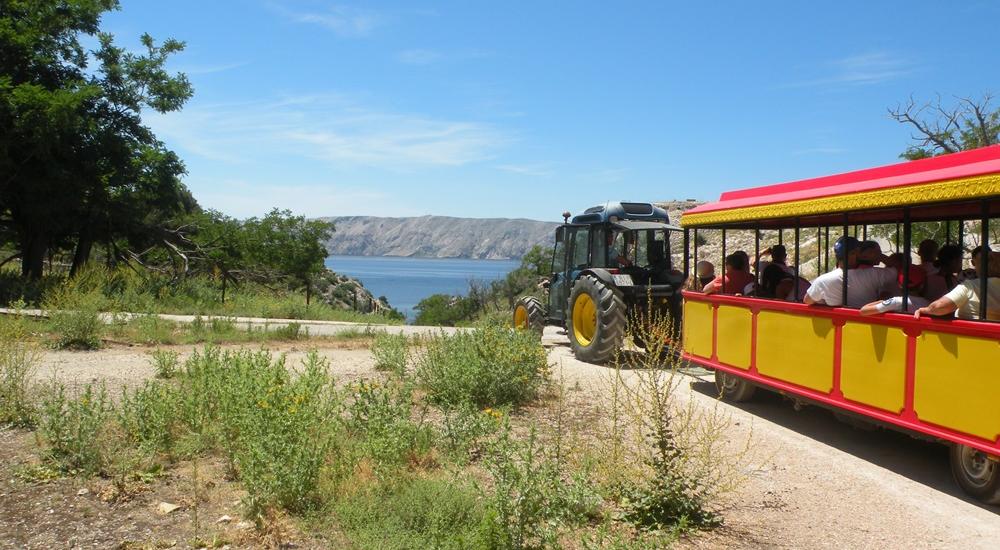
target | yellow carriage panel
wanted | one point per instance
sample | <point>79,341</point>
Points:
<point>698,328</point>
<point>796,349</point>
<point>732,345</point>
<point>957,383</point>
<point>873,365</point>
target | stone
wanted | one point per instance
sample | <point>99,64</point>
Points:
<point>165,508</point>
<point>224,519</point>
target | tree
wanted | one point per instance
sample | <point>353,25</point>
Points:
<point>942,129</point>
<point>77,163</point>
<point>288,245</point>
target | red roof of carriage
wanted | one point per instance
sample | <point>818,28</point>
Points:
<point>976,162</point>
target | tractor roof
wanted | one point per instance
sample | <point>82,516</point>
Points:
<point>641,211</point>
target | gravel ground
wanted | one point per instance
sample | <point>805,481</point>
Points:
<point>813,482</point>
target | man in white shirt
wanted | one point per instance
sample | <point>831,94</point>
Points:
<point>863,285</point>
<point>914,301</point>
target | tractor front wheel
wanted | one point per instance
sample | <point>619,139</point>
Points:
<point>595,320</point>
<point>529,314</point>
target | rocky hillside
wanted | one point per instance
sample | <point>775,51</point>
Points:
<point>438,237</point>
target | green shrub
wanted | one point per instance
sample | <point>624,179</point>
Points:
<point>379,418</point>
<point>291,331</point>
<point>73,428</point>
<point>151,330</point>
<point>148,416</point>
<point>165,363</point>
<point>18,363</point>
<point>414,513</point>
<point>390,352</point>
<point>493,366</point>
<point>531,499</point>
<point>75,319</point>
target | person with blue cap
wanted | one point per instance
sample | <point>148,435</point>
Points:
<point>863,285</point>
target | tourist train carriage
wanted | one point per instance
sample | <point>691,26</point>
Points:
<point>938,378</point>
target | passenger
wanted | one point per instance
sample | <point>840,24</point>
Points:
<point>928,250</point>
<point>736,277</point>
<point>976,256</point>
<point>778,256</point>
<point>964,299</point>
<point>914,301</point>
<point>775,282</point>
<point>947,266</point>
<point>870,255</point>
<point>704,274</point>
<point>615,240</point>
<point>863,285</point>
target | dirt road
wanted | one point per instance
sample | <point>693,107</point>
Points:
<point>813,482</point>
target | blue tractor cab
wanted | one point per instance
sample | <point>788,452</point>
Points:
<point>609,262</point>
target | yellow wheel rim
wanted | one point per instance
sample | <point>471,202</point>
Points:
<point>520,317</point>
<point>584,319</point>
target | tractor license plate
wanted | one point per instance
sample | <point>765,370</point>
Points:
<point>623,280</point>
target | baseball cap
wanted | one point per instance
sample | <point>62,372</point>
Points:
<point>844,246</point>
<point>917,277</point>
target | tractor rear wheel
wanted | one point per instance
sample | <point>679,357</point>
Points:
<point>595,320</point>
<point>529,314</point>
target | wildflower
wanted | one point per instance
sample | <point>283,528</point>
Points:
<point>262,404</point>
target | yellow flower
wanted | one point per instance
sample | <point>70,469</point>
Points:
<point>262,404</point>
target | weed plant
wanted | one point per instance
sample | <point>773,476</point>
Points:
<point>390,352</point>
<point>165,363</point>
<point>18,364</point>
<point>74,319</point>
<point>492,366</point>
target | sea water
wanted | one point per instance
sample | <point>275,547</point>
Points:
<point>406,281</point>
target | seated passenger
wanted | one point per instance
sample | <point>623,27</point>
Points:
<point>736,277</point>
<point>964,299</point>
<point>869,255</point>
<point>704,274</point>
<point>914,301</point>
<point>778,256</point>
<point>863,285</point>
<point>928,250</point>
<point>947,266</point>
<point>775,282</point>
<point>976,256</point>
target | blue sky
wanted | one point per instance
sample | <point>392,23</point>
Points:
<point>526,109</point>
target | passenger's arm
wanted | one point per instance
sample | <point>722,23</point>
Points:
<point>808,300</point>
<point>871,308</point>
<point>941,306</point>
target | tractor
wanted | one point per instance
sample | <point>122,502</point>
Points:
<point>609,263</point>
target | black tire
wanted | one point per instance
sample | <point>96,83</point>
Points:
<point>733,388</point>
<point>529,314</point>
<point>601,333</point>
<point>975,473</point>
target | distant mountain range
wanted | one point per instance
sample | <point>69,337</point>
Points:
<point>438,237</point>
<point>448,237</point>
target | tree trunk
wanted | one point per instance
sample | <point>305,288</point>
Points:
<point>308,288</point>
<point>82,254</point>
<point>33,257</point>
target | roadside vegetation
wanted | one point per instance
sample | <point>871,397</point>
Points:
<point>453,441</point>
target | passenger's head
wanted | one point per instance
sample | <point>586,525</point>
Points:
<point>735,262</point>
<point>778,253</point>
<point>869,253</point>
<point>846,250</point>
<point>927,250</point>
<point>745,256</point>
<point>977,255</point>
<point>705,268</point>
<point>895,260</point>
<point>949,258</point>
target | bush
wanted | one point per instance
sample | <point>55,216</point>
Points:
<point>417,513</point>
<point>379,420</point>
<point>165,363</point>
<point>148,416</point>
<point>73,428</point>
<point>75,319</point>
<point>493,366</point>
<point>390,352</point>
<point>18,362</point>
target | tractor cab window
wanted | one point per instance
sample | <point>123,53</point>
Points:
<point>599,247</point>
<point>650,249</point>
<point>559,254</point>
<point>580,250</point>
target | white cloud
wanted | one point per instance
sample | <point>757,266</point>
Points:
<point>868,68</point>
<point>345,21</point>
<point>329,128</point>
<point>418,57</point>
